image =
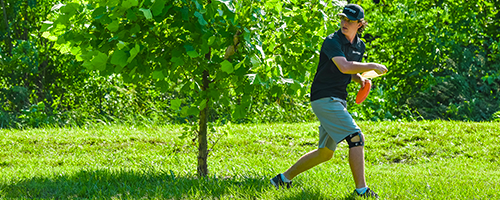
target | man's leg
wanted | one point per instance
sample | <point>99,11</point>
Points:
<point>308,161</point>
<point>357,164</point>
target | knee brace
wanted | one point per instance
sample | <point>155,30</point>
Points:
<point>359,141</point>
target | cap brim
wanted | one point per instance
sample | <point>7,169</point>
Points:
<point>343,14</point>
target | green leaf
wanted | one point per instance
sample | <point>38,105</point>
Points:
<point>99,61</point>
<point>133,52</point>
<point>69,9</point>
<point>198,5</point>
<point>228,4</point>
<point>237,66</point>
<point>99,12</point>
<point>57,7</point>
<point>46,26</point>
<point>147,13</point>
<point>113,26</point>
<point>188,47</point>
<point>162,85</point>
<point>177,61</point>
<point>214,94</point>
<point>201,20</point>
<point>131,15</point>
<point>227,67</point>
<point>121,45</point>
<point>158,6</point>
<point>225,101</point>
<point>238,112</point>
<point>203,104</point>
<point>112,3</point>
<point>162,62</point>
<point>193,111</point>
<point>175,104</point>
<point>184,111</point>
<point>247,35</point>
<point>255,60</point>
<point>118,69</point>
<point>249,88</point>
<point>135,29</point>
<point>278,7</point>
<point>113,38</point>
<point>211,40</point>
<point>193,54</point>
<point>158,75</point>
<point>205,49</point>
<point>130,3</point>
<point>46,35</point>
<point>105,20</point>
<point>275,90</point>
<point>119,58</point>
<point>75,50</point>
<point>65,48</point>
<point>50,37</point>
<point>87,65</point>
<point>185,13</point>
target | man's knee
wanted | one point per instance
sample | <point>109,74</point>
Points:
<point>355,140</point>
<point>325,153</point>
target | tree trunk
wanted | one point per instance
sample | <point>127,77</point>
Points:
<point>202,133</point>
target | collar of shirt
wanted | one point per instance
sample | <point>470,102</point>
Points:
<point>344,40</point>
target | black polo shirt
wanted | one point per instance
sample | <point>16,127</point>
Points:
<point>328,80</point>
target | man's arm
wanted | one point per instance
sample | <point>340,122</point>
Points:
<point>359,79</point>
<point>353,67</point>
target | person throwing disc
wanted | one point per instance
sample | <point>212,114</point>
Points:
<point>340,62</point>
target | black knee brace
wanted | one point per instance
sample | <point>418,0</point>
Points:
<point>352,144</point>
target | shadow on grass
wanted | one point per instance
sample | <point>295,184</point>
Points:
<point>316,195</point>
<point>108,184</point>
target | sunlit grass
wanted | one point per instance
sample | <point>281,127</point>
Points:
<point>416,160</point>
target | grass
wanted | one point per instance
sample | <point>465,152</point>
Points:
<point>404,160</point>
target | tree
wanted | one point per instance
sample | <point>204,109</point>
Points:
<point>215,52</point>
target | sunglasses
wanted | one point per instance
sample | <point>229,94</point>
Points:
<point>344,18</point>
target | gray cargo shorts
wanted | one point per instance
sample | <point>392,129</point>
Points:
<point>335,122</point>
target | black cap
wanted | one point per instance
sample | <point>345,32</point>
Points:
<point>353,12</point>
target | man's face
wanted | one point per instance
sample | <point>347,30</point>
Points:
<point>349,27</point>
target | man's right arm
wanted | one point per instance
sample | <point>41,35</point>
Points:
<point>353,67</point>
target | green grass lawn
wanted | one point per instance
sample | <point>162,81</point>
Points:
<point>414,160</point>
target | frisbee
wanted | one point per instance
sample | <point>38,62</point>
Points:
<point>370,74</point>
<point>363,92</point>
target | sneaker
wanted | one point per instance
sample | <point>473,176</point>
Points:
<point>368,193</point>
<point>277,182</point>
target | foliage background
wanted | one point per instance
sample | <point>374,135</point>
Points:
<point>443,60</point>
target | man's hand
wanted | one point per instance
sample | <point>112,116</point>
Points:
<point>380,69</point>
<point>365,81</point>
<point>359,79</point>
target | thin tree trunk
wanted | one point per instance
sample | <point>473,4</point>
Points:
<point>202,133</point>
<point>7,29</point>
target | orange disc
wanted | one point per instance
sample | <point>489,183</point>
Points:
<point>363,92</point>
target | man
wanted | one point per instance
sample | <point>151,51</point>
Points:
<point>339,63</point>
